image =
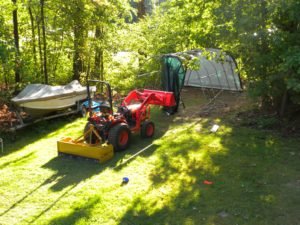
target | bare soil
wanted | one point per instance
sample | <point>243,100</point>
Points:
<point>213,103</point>
<point>237,108</point>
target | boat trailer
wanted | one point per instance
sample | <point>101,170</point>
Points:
<point>24,123</point>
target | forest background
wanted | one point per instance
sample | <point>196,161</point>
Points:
<point>54,42</point>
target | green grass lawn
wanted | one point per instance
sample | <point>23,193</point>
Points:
<point>255,175</point>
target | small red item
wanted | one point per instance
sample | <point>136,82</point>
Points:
<point>207,182</point>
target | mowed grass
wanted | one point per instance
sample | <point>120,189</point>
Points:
<point>255,177</point>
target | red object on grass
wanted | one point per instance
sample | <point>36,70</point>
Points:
<point>208,182</point>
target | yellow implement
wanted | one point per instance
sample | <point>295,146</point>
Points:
<point>78,147</point>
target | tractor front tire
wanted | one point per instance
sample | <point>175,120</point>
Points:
<point>119,137</point>
<point>147,129</point>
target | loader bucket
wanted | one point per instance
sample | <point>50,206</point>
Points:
<point>101,152</point>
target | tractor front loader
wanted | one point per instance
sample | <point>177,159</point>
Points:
<point>106,131</point>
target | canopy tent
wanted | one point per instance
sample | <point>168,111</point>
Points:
<point>219,72</point>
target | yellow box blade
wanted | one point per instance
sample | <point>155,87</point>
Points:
<point>102,152</point>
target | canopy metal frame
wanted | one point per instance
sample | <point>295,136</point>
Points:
<point>225,73</point>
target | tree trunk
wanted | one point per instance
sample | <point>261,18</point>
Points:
<point>78,51</point>
<point>77,61</point>
<point>57,58</point>
<point>141,9</point>
<point>283,104</point>
<point>5,72</point>
<point>42,3</point>
<point>33,40</point>
<point>98,66</point>
<point>40,46</point>
<point>16,39</point>
<point>101,65</point>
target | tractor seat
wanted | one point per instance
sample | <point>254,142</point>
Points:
<point>134,107</point>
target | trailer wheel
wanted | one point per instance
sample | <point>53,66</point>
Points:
<point>90,138</point>
<point>119,136</point>
<point>147,129</point>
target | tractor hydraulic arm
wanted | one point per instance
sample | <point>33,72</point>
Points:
<point>150,97</point>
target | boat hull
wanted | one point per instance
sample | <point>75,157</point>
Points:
<point>43,107</point>
<point>39,100</point>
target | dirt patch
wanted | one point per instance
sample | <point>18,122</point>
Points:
<point>235,107</point>
<point>259,119</point>
<point>212,103</point>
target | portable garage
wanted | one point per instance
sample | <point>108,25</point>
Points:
<point>219,71</point>
<point>215,70</point>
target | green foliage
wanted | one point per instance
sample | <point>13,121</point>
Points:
<point>84,36</point>
<point>6,50</point>
<point>262,36</point>
<point>5,96</point>
<point>70,35</point>
<point>266,34</point>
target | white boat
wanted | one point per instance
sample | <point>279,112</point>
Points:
<point>40,99</point>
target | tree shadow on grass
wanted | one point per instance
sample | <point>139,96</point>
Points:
<point>18,161</point>
<point>71,170</point>
<point>81,212</point>
<point>14,141</point>
<point>238,162</point>
<point>69,173</point>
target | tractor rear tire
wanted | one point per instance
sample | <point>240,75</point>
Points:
<point>147,129</point>
<point>119,136</point>
<point>91,138</point>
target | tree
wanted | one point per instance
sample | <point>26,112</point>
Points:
<point>107,40</point>
<point>17,46</point>
<point>5,55</point>
<point>141,9</point>
<point>79,29</point>
<point>42,3</point>
<point>33,36</point>
<point>99,61</point>
<point>263,36</point>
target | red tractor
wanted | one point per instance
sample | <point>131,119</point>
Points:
<point>133,115</point>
